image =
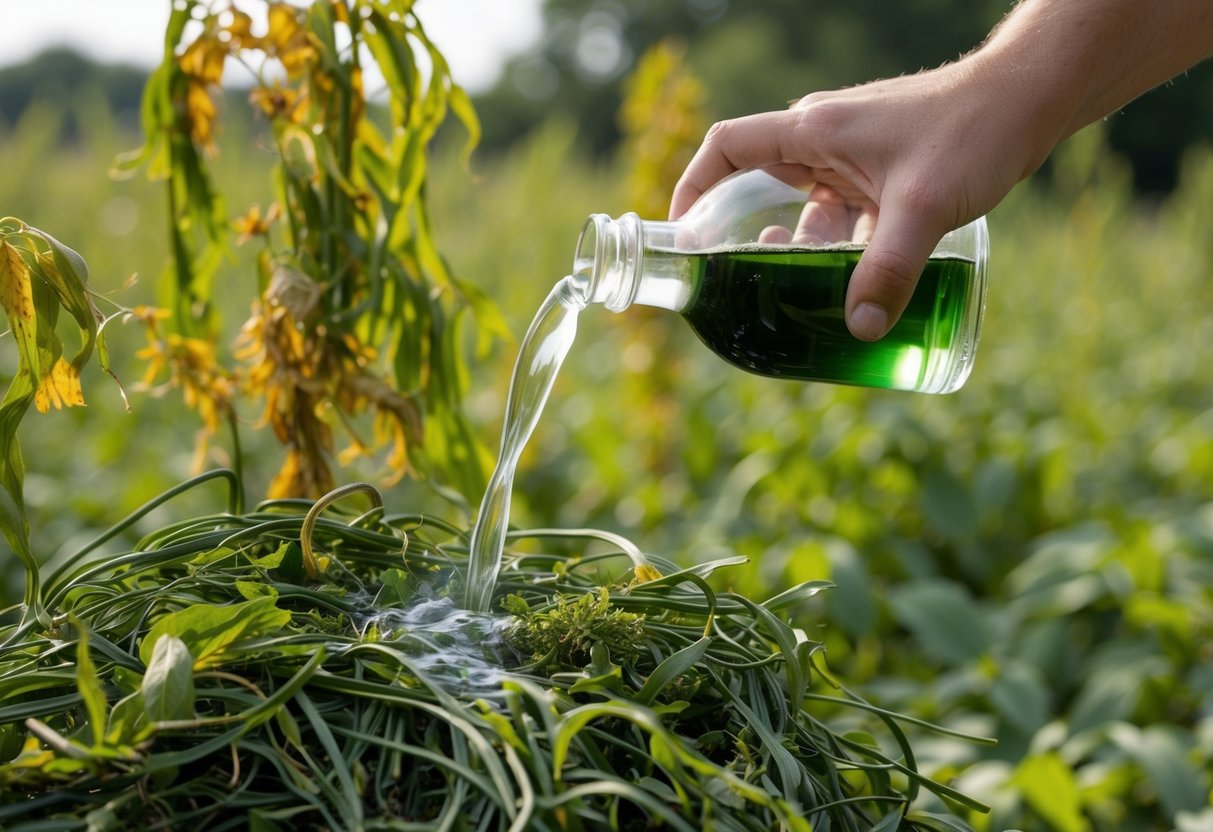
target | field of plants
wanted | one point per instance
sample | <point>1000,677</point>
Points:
<point>1029,559</point>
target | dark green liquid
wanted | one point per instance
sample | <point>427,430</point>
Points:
<point>780,313</point>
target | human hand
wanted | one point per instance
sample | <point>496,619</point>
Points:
<point>894,164</point>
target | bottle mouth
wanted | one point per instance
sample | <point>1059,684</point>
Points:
<point>587,257</point>
<point>606,261</point>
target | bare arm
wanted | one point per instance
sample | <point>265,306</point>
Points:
<point>939,148</point>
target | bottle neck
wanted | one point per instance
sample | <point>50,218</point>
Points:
<point>619,262</point>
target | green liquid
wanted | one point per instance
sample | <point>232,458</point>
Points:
<point>779,312</point>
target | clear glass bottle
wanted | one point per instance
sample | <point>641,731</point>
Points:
<point>759,269</point>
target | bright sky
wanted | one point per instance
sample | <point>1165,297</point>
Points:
<point>475,35</point>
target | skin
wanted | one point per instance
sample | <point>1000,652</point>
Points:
<point>914,157</point>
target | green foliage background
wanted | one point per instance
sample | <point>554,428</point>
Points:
<point>1030,558</point>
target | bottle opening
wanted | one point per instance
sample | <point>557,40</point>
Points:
<point>607,260</point>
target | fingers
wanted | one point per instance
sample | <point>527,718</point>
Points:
<point>887,273</point>
<point>730,146</point>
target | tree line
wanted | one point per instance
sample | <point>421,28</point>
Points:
<point>749,57</point>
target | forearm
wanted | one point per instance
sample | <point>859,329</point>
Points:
<point>1068,63</point>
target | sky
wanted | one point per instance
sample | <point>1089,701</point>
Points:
<point>476,36</point>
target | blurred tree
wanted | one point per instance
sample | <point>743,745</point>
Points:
<point>784,49</point>
<point>662,121</point>
<point>757,55</point>
<point>62,72</point>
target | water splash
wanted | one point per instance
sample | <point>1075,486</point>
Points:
<point>543,350</point>
<point>459,649</point>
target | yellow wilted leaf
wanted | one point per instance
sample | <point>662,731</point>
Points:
<point>61,387</point>
<point>16,292</point>
<point>201,112</point>
<point>286,481</point>
<point>241,30</point>
<point>646,572</point>
<point>202,63</point>
<point>288,40</point>
<point>204,59</point>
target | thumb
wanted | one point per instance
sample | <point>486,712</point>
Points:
<point>887,273</point>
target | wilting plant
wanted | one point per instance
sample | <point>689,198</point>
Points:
<point>39,278</point>
<point>356,313</point>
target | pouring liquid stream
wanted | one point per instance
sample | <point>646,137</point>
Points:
<point>543,350</point>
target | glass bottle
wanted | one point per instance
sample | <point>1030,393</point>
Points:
<point>759,269</point>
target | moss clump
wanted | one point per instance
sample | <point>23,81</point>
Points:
<point>562,635</point>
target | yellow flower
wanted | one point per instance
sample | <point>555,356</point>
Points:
<point>252,224</point>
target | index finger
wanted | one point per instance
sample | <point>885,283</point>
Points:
<point>729,146</point>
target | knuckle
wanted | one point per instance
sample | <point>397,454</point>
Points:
<point>811,100</point>
<point>890,271</point>
<point>716,132</point>
<point>820,111</point>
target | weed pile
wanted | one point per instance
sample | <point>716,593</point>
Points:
<point>302,666</point>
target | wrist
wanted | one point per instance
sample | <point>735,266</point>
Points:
<point>1031,102</point>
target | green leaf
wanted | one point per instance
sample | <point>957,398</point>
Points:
<point>945,620</point>
<point>128,723</point>
<point>949,506</point>
<point>889,823</point>
<point>601,673</point>
<point>852,604</point>
<point>938,822</point>
<point>275,558</point>
<point>255,589</point>
<point>212,556</point>
<point>89,685</point>
<point>1049,787</point>
<point>209,632</point>
<point>168,684</point>
<point>395,582</point>
<point>795,595</point>
<point>260,821</point>
<point>1020,694</point>
<point>290,565</point>
<point>670,669</point>
<point>1166,757</point>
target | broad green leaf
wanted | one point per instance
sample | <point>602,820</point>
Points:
<point>274,559</point>
<point>1021,696</point>
<point>395,584</point>
<point>948,506</point>
<point>168,684</point>
<point>260,821</point>
<point>1048,785</point>
<point>290,564</point>
<point>252,590</point>
<point>209,632</point>
<point>1113,684</point>
<point>1168,759</point>
<point>128,722</point>
<point>945,620</point>
<point>851,602</point>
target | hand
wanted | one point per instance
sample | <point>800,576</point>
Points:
<point>896,164</point>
